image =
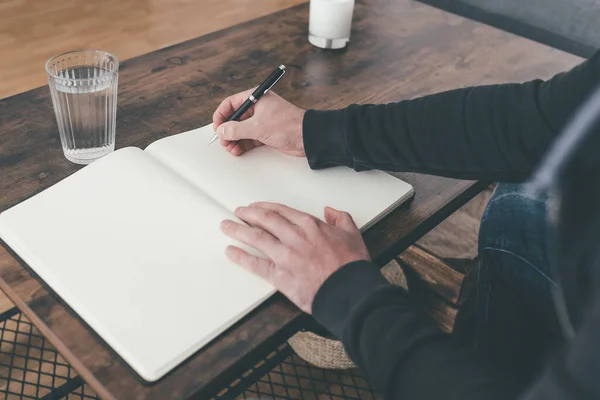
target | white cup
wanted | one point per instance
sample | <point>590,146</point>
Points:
<point>330,22</point>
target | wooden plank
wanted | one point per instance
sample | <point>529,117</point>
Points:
<point>434,273</point>
<point>398,50</point>
<point>441,311</point>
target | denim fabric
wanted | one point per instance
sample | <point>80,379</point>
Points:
<point>516,326</point>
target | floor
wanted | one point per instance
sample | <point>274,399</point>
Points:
<point>32,31</point>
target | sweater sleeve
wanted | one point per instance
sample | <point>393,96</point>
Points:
<point>496,132</point>
<point>405,356</point>
<point>400,349</point>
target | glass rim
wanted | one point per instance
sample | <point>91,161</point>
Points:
<point>55,76</point>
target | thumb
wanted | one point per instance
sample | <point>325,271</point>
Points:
<point>340,219</point>
<point>234,130</point>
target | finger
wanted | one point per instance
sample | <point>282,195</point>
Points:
<point>331,215</point>
<point>340,219</point>
<point>228,107</point>
<point>253,237</point>
<point>260,266</point>
<point>234,130</point>
<point>270,221</point>
<point>236,150</point>
<point>243,146</point>
<point>222,113</point>
<point>295,216</point>
<point>281,278</point>
<point>224,142</point>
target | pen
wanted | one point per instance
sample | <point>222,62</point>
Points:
<point>261,90</point>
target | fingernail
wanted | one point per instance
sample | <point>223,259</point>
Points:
<point>221,130</point>
<point>239,209</point>
<point>225,223</point>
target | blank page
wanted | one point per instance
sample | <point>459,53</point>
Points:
<point>264,174</point>
<point>137,252</point>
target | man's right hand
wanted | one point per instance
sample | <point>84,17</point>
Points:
<point>272,121</point>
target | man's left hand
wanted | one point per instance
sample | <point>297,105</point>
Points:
<point>302,251</point>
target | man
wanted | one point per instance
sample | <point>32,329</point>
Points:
<point>497,133</point>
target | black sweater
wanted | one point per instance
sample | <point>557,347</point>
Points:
<point>497,132</point>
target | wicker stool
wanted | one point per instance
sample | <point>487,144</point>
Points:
<point>329,353</point>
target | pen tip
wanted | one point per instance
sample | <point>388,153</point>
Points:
<point>215,137</point>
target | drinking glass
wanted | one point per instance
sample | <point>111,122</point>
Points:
<point>83,85</point>
<point>329,23</point>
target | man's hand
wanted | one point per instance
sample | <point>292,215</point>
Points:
<point>272,121</point>
<point>302,250</point>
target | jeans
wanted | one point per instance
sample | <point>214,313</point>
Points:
<point>516,327</point>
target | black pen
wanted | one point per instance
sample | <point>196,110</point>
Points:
<point>261,90</point>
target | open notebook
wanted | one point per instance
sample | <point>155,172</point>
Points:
<point>134,238</point>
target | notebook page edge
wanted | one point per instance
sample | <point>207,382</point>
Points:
<point>409,194</point>
<point>209,338</point>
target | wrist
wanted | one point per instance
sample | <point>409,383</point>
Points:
<point>298,130</point>
<point>342,291</point>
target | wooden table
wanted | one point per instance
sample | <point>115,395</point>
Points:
<point>399,49</point>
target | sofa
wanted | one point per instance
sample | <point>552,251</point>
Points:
<point>569,25</point>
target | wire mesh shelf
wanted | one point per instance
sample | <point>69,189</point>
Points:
<point>284,375</point>
<point>31,368</point>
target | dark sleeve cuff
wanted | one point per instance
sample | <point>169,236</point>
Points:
<point>324,135</point>
<point>343,291</point>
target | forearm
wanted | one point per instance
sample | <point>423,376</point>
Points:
<point>399,348</point>
<point>497,132</point>
<point>453,134</point>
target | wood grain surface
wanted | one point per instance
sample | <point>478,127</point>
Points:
<point>399,49</point>
<point>434,273</point>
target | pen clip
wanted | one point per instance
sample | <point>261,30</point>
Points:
<point>276,80</point>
